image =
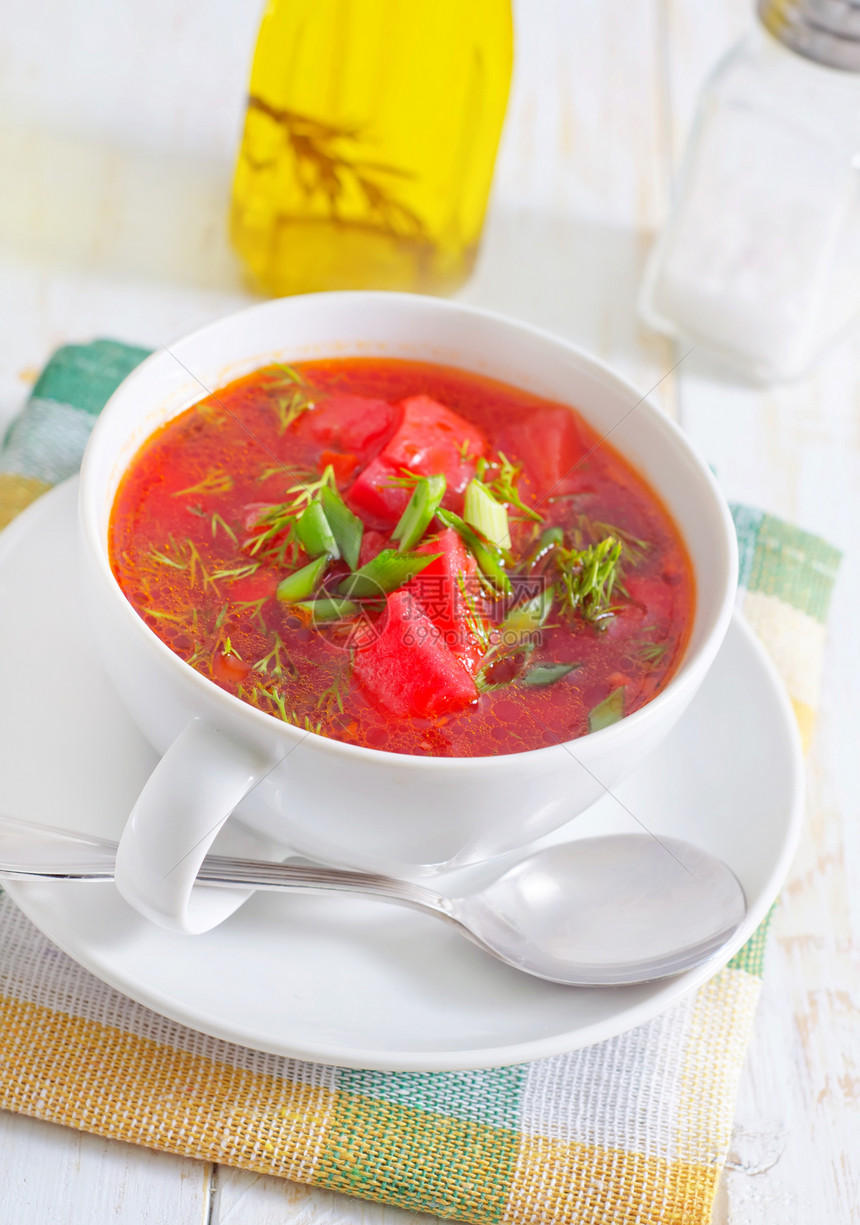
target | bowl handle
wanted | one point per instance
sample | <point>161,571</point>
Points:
<point>178,814</point>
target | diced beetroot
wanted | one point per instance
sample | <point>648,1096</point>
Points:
<point>548,444</point>
<point>438,588</point>
<point>430,440</point>
<point>355,424</point>
<point>408,669</point>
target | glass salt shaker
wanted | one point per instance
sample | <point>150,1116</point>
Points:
<point>760,256</point>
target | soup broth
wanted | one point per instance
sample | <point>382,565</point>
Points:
<point>404,556</point>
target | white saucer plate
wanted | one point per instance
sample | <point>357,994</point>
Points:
<point>348,980</point>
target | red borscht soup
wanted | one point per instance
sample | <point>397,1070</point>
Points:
<point>404,556</point>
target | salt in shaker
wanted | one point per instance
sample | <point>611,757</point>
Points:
<point>760,256</point>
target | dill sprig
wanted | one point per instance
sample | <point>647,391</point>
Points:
<point>292,399</point>
<point>274,533</point>
<point>504,486</point>
<point>404,479</point>
<point>586,578</point>
<point>590,531</point>
<point>276,661</point>
<point>257,613</point>
<point>238,572</point>
<point>473,618</point>
<point>305,491</point>
<point>278,702</point>
<point>651,652</point>
<point>648,650</point>
<point>333,696</point>
<point>184,555</point>
<point>215,481</point>
<point>215,521</point>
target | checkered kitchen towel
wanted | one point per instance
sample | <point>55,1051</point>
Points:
<point>632,1129</point>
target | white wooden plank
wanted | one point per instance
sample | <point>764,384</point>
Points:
<point>795,450</point>
<point>53,1174</point>
<point>252,1199</point>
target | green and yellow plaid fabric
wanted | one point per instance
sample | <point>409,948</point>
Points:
<point>634,1129</point>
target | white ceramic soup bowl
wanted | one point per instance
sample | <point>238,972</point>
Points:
<point>338,802</point>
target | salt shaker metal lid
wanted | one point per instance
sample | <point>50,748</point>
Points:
<point>827,31</point>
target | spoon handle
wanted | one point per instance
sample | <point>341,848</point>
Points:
<point>29,851</point>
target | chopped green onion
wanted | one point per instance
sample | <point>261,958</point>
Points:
<point>302,583</point>
<point>422,506</point>
<point>347,527</point>
<point>328,608</point>
<point>482,511</point>
<point>385,572</point>
<point>488,556</point>
<point>529,616</point>
<point>610,710</point>
<point>314,531</point>
<point>550,539</point>
<point>547,674</point>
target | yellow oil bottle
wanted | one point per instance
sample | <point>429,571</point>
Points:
<point>369,142</point>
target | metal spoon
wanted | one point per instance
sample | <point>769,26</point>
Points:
<point>626,908</point>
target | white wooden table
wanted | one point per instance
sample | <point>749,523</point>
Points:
<point>118,125</point>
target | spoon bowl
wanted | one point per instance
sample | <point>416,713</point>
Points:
<point>606,911</point>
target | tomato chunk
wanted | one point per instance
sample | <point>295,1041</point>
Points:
<point>548,444</point>
<point>372,543</point>
<point>408,669</point>
<point>449,591</point>
<point>354,424</point>
<point>430,440</point>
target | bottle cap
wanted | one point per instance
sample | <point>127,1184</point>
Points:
<point>827,31</point>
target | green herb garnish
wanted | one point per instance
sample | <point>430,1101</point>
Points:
<point>591,531</point>
<point>302,583</point>
<point>610,710</point>
<point>296,398</point>
<point>347,528</point>
<point>483,512</point>
<point>422,506</point>
<point>488,556</point>
<point>542,675</point>
<point>587,577</point>
<point>314,531</point>
<point>549,540</point>
<point>273,660</point>
<point>216,481</point>
<point>305,491</point>
<point>275,534</point>
<point>504,486</point>
<point>384,573</point>
<point>237,572</point>
<point>530,616</point>
<point>329,608</point>
<point>652,652</point>
<point>474,620</point>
